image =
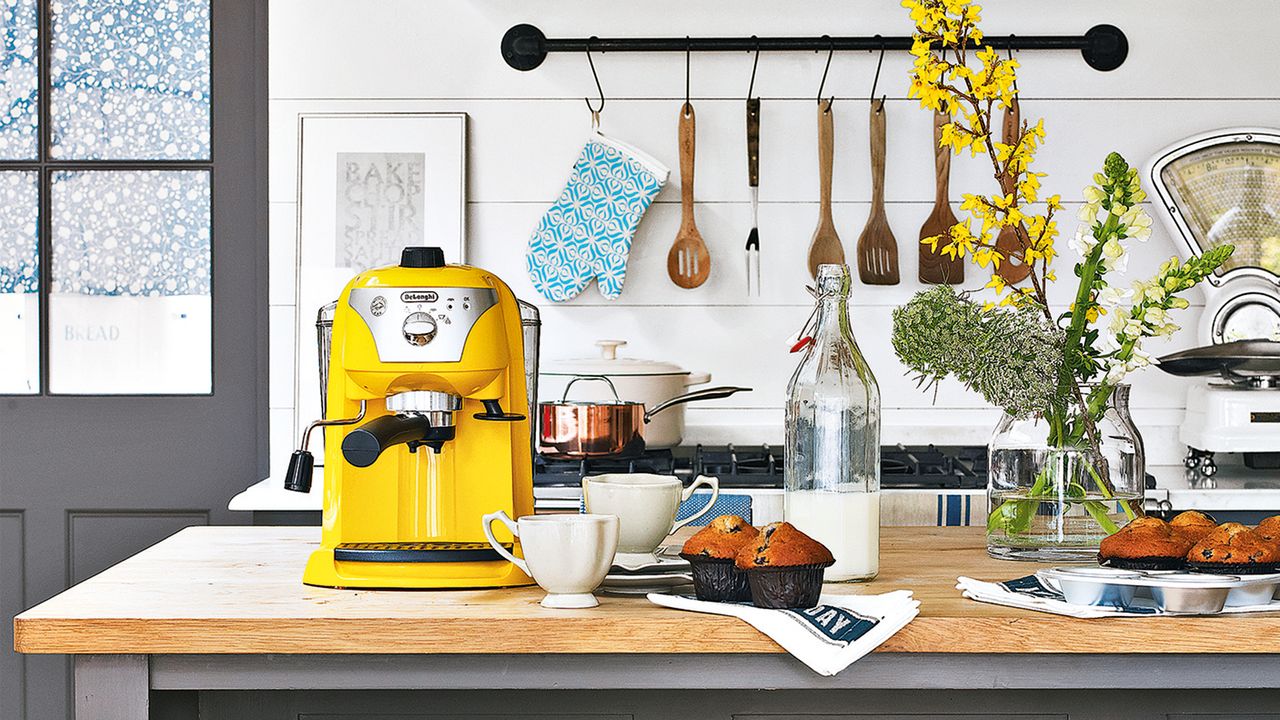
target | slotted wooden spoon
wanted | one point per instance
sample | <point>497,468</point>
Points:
<point>937,268</point>
<point>688,262</point>
<point>877,248</point>
<point>1008,243</point>
<point>825,248</point>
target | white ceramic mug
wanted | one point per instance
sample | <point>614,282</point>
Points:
<point>646,507</point>
<point>567,555</point>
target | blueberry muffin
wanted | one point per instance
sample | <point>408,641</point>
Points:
<point>1234,548</point>
<point>1269,529</point>
<point>1194,524</point>
<point>1146,543</point>
<point>711,552</point>
<point>784,567</point>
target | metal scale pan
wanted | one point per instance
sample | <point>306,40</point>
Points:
<point>1255,363</point>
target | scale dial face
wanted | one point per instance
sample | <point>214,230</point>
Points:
<point>1224,188</point>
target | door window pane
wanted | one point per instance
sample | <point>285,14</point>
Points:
<point>130,79</point>
<point>19,86</point>
<point>19,283</point>
<point>129,306</point>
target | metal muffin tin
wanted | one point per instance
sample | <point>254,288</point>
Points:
<point>1171,591</point>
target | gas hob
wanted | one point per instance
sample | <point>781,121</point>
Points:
<point>926,467</point>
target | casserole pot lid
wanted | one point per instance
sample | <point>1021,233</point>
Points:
<point>611,365</point>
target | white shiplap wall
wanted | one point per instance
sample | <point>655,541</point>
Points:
<point>1192,67</point>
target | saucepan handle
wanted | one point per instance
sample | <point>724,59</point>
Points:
<point>714,393</point>
<point>515,532</point>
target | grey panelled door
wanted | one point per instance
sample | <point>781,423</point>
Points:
<point>86,480</point>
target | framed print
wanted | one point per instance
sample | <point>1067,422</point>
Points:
<point>369,184</point>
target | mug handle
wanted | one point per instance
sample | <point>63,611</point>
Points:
<point>713,483</point>
<point>515,532</point>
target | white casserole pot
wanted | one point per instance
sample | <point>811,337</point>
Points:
<point>648,382</point>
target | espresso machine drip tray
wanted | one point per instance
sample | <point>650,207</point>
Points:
<point>416,552</point>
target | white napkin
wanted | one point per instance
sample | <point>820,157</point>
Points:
<point>1028,593</point>
<point>827,638</point>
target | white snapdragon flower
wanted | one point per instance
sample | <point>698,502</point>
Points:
<point>1137,224</point>
<point>1107,343</point>
<point>1114,257</point>
<point>1154,316</point>
<point>1118,321</point>
<point>1148,290</point>
<point>1093,194</point>
<point>1116,373</point>
<point>1117,369</point>
<point>1084,242</point>
<point>1089,212</point>
<point>1113,296</point>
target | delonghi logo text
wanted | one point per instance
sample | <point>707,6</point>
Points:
<point>418,296</point>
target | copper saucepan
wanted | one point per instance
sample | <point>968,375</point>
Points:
<point>576,429</point>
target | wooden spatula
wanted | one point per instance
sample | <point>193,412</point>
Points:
<point>688,262</point>
<point>1008,243</point>
<point>825,248</point>
<point>937,268</point>
<point>877,248</point>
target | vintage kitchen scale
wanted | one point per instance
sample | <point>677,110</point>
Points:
<point>1223,187</point>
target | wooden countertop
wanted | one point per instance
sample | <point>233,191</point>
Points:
<point>238,590</point>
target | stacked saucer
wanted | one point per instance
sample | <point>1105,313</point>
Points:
<point>661,573</point>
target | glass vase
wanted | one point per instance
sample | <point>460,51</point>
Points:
<point>1055,502</point>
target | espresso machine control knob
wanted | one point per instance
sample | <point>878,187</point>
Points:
<point>419,329</point>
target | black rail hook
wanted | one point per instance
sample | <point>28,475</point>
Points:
<point>595,111</point>
<point>688,51</point>
<point>876,82</point>
<point>756,63</point>
<point>1015,76</point>
<point>831,52</point>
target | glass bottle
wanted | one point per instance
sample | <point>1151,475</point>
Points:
<point>1055,503</point>
<point>832,464</point>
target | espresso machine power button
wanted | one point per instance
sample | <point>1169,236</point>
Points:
<point>419,329</point>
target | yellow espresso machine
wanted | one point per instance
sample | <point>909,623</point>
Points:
<point>424,429</point>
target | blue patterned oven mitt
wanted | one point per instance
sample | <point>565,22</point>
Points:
<point>587,233</point>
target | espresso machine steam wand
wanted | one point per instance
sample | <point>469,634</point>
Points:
<point>302,463</point>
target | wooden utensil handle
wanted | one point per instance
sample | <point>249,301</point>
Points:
<point>877,153</point>
<point>1009,134</point>
<point>826,153</point>
<point>753,142</point>
<point>688,131</point>
<point>941,162</point>
<point>1012,123</point>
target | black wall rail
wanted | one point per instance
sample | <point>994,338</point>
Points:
<point>524,47</point>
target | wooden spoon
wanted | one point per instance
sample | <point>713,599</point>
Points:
<point>825,248</point>
<point>937,268</point>
<point>688,262</point>
<point>1011,270</point>
<point>877,248</point>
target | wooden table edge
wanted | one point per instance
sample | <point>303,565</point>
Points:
<point>698,634</point>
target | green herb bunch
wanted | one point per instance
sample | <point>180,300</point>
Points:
<point>1010,357</point>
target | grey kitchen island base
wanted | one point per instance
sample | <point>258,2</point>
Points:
<point>589,686</point>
